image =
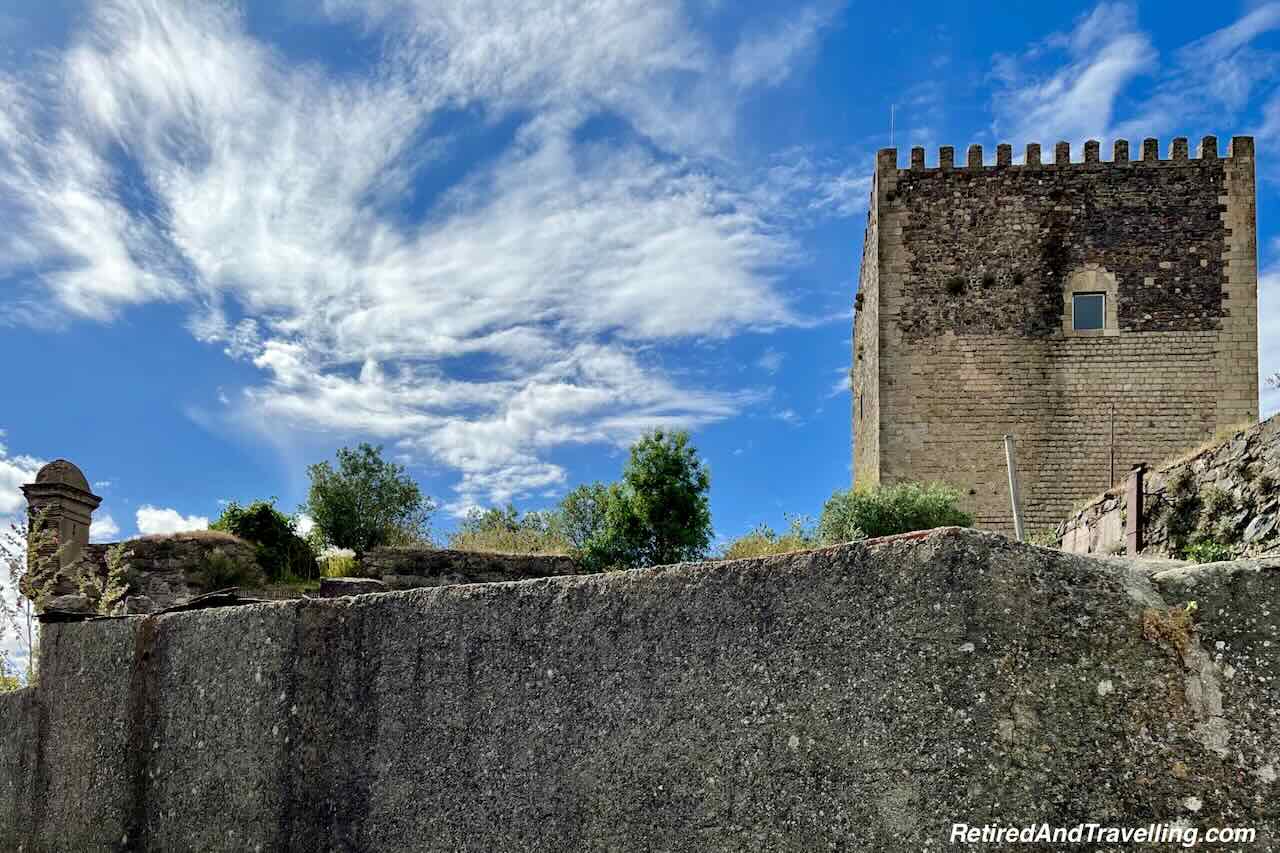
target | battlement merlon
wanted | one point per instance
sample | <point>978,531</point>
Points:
<point>1240,148</point>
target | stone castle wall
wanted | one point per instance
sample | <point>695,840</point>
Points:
<point>975,270</point>
<point>866,361</point>
<point>1234,484</point>
<point>860,697</point>
<point>163,571</point>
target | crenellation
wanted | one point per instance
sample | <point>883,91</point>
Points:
<point>1206,154</point>
<point>1240,147</point>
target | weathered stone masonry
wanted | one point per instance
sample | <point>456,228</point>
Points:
<point>963,330</point>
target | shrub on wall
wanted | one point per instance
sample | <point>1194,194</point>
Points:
<point>886,510</point>
<point>763,541</point>
<point>9,680</point>
<point>1206,549</point>
<point>280,550</point>
<point>505,531</point>
<point>219,569</point>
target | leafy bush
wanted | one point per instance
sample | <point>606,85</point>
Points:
<point>505,531</point>
<point>762,541</point>
<point>1206,549</point>
<point>886,510</point>
<point>280,550</point>
<point>338,566</point>
<point>219,569</point>
<point>1045,537</point>
<point>1217,503</point>
<point>366,502</point>
<point>9,679</point>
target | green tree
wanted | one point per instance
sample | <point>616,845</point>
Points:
<point>886,510</point>
<point>280,550</point>
<point>367,502</point>
<point>582,513</point>
<point>660,512</point>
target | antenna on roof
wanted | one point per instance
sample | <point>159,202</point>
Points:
<point>892,107</point>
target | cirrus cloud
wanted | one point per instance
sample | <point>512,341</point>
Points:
<point>335,231</point>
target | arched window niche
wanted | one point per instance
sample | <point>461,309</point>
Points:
<point>1089,303</point>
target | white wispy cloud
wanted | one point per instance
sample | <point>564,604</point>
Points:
<point>1269,338</point>
<point>152,519</point>
<point>844,384</point>
<point>270,198</point>
<point>1083,83</point>
<point>768,54</point>
<point>1074,99</point>
<point>771,360</point>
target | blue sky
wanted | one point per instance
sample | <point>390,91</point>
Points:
<point>502,237</point>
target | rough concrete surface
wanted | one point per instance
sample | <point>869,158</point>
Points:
<point>413,566</point>
<point>850,698</point>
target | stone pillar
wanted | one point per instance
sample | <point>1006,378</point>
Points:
<point>59,511</point>
<point>1133,498</point>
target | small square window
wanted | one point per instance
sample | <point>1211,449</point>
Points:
<point>1088,311</point>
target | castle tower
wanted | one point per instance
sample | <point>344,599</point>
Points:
<point>60,501</point>
<point>1103,312</point>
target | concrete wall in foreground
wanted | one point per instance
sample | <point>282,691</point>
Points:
<point>852,698</point>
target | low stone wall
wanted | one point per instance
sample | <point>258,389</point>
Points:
<point>1230,491</point>
<point>849,698</point>
<point>408,568</point>
<point>159,571</point>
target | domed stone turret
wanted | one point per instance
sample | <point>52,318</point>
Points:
<point>64,473</point>
<point>60,501</point>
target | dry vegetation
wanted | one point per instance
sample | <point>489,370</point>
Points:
<point>190,536</point>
